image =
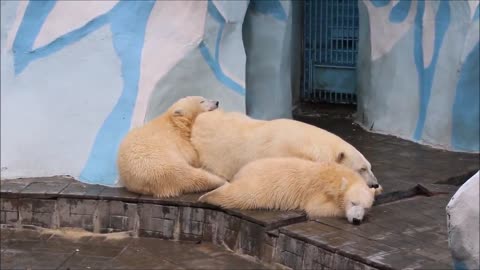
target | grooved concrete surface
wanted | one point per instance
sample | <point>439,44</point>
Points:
<point>37,249</point>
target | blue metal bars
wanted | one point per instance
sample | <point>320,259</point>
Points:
<point>330,50</point>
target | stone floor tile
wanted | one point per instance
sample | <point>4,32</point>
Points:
<point>132,258</point>
<point>220,262</point>
<point>83,246</point>
<point>14,186</point>
<point>111,193</point>
<point>269,219</point>
<point>27,235</point>
<point>100,252</point>
<point>46,187</point>
<point>77,261</point>
<point>366,248</point>
<point>20,259</point>
<point>78,189</point>
<point>402,260</point>
<point>105,241</point>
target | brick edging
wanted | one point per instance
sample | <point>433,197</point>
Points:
<point>176,222</point>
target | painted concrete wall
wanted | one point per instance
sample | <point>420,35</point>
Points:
<point>77,75</point>
<point>268,43</point>
<point>463,221</point>
<point>418,71</point>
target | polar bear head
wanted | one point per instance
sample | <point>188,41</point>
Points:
<point>190,107</point>
<point>183,113</point>
<point>352,158</point>
<point>358,199</point>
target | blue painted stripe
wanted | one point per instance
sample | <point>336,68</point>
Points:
<point>215,67</point>
<point>214,63</point>
<point>213,11</point>
<point>400,11</point>
<point>270,7</point>
<point>442,21</point>
<point>466,112</point>
<point>128,24</point>
<point>459,265</point>
<point>380,3</point>
<point>68,38</point>
<point>476,15</point>
<point>35,15</point>
<point>418,56</point>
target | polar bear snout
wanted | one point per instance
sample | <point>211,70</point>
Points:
<point>372,180</point>
<point>355,214</point>
<point>211,104</point>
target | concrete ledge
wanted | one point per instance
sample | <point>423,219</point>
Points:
<point>278,238</point>
<point>56,202</point>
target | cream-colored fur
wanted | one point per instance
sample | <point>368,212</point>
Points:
<point>158,158</point>
<point>320,189</point>
<point>226,142</point>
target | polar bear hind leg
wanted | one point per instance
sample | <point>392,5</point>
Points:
<point>179,180</point>
<point>227,196</point>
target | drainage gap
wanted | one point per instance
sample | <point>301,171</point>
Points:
<point>457,180</point>
<point>402,195</point>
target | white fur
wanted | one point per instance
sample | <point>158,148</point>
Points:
<point>320,189</point>
<point>158,158</point>
<point>226,142</point>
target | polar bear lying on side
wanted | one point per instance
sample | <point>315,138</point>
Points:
<point>320,189</point>
<point>226,142</point>
<point>158,158</point>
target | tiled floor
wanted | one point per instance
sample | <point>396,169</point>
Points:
<point>32,249</point>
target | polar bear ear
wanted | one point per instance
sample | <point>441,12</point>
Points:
<point>178,112</point>
<point>340,157</point>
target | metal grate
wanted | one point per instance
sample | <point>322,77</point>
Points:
<point>330,50</point>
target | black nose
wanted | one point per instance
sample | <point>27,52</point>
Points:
<point>356,221</point>
<point>216,103</point>
<point>375,186</point>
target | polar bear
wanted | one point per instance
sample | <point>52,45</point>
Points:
<point>320,189</point>
<point>158,158</point>
<point>226,141</point>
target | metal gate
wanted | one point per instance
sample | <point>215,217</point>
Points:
<point>330,51</point>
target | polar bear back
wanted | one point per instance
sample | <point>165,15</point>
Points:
<point>226,142</point>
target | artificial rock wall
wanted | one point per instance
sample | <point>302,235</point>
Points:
<point>418,71</point>
<point>462,220</point>
<point>78,75</point>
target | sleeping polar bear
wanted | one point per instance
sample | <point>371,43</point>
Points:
<point>320,189</point>
<point>158,158</point>
<point>226,141</point>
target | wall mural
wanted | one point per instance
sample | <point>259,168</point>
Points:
<point>85,82</point>
<point>419,75</point>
